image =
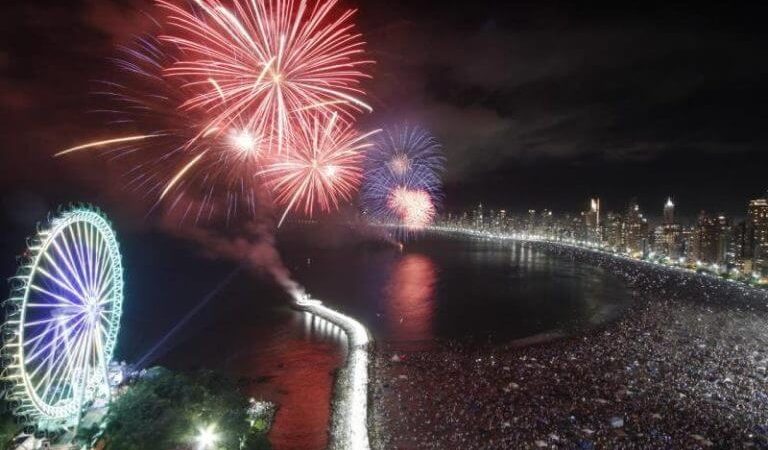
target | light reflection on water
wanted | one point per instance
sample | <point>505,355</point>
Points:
<point>410,298</point>
<point>295,370</point>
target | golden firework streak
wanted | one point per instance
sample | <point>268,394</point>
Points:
<point>105,142</point>
<point>180,174</point>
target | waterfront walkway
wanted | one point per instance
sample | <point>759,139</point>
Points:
<point>349,428</point>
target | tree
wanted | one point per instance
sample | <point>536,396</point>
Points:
<point>9,428</point>
<point>166,411</point>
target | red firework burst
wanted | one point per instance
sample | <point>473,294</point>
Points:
<point>414,207</point>
<point>268,62</point>
<point>321,168</point>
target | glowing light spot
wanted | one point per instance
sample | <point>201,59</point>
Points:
<point>330,171</point>
<point>400,164</point>
<point>244,141</point>
<point>414,207</point>
<point>207,437</point>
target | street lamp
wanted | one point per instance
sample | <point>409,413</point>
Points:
<point>207,437</point>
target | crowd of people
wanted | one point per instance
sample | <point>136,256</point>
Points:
<point>685,367</point>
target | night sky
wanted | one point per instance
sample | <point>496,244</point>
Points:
<point>538,104</point>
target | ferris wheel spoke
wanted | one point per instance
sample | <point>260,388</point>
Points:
<point>75,236</point>
<point>57,378</point>
<point>44,321</point>
<point>43,305</point>
<point>69,262</point>
<point>105,290</point>
<point>53,344</point>
<point>106,321</point>
<point>46,362</point>
<point>99,355</point>
<point>83,362</point>
<point>106,317</point>
<point>80,244</point>
<point>73,262</point>
<point>62,279</point>
<point>60,283</point>
<point>105,281</point>
<point>92,251</point>
<point>53,366</point>
<point>47,346</point>
<point>62,372</point>
<point>64,300</point>
<point>97,250</point>
<point>35,342</point>
<point>101,266</point>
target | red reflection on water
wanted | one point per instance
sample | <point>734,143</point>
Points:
<point>410,298</point>
<point>299,378</point>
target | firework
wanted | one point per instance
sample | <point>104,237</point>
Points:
<point>177,159</point>
<point>222,98</point>
<point>403,148</point>
<point>322,168</point>
<point>414,207</point>
<point>272,64</point>
<point>402,177</point>
<point>387,197</point>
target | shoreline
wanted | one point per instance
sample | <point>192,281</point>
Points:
<point>349,421</point>
<point>589,247</point>
<point>685,367</point>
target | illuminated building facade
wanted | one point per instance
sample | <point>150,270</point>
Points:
<point>635,230</point>
<point>757,235</point>
<point>668,237</point>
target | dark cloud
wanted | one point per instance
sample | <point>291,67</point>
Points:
<point>548,87</point>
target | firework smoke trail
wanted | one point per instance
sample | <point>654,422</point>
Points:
<point>402,183</point>
<point>323,168</point>
<point>268,62</point>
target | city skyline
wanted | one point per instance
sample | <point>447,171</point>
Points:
<point>737,209</point>
<point>713,241</point>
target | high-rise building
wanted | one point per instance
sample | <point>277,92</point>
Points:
<point>726,254</point>
<point>592,220</point>
<point>546,223</point>
<point>503,222</point>
<point>757,234</point>
<point>613,231</point>
<point>739,237</point>
<point>711,240</point>
<point>478,218</point>
<point>635,230</point>
<point>531,225</point>
<point>668,237</point>
<point>669,212</point>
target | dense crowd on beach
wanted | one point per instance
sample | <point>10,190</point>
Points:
<point>685,367</point>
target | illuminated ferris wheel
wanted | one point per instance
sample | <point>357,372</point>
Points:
<point>62,318</point>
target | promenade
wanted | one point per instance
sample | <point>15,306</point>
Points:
<point>349,425</point>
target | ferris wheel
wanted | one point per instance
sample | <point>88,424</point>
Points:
<point>62,318</point>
